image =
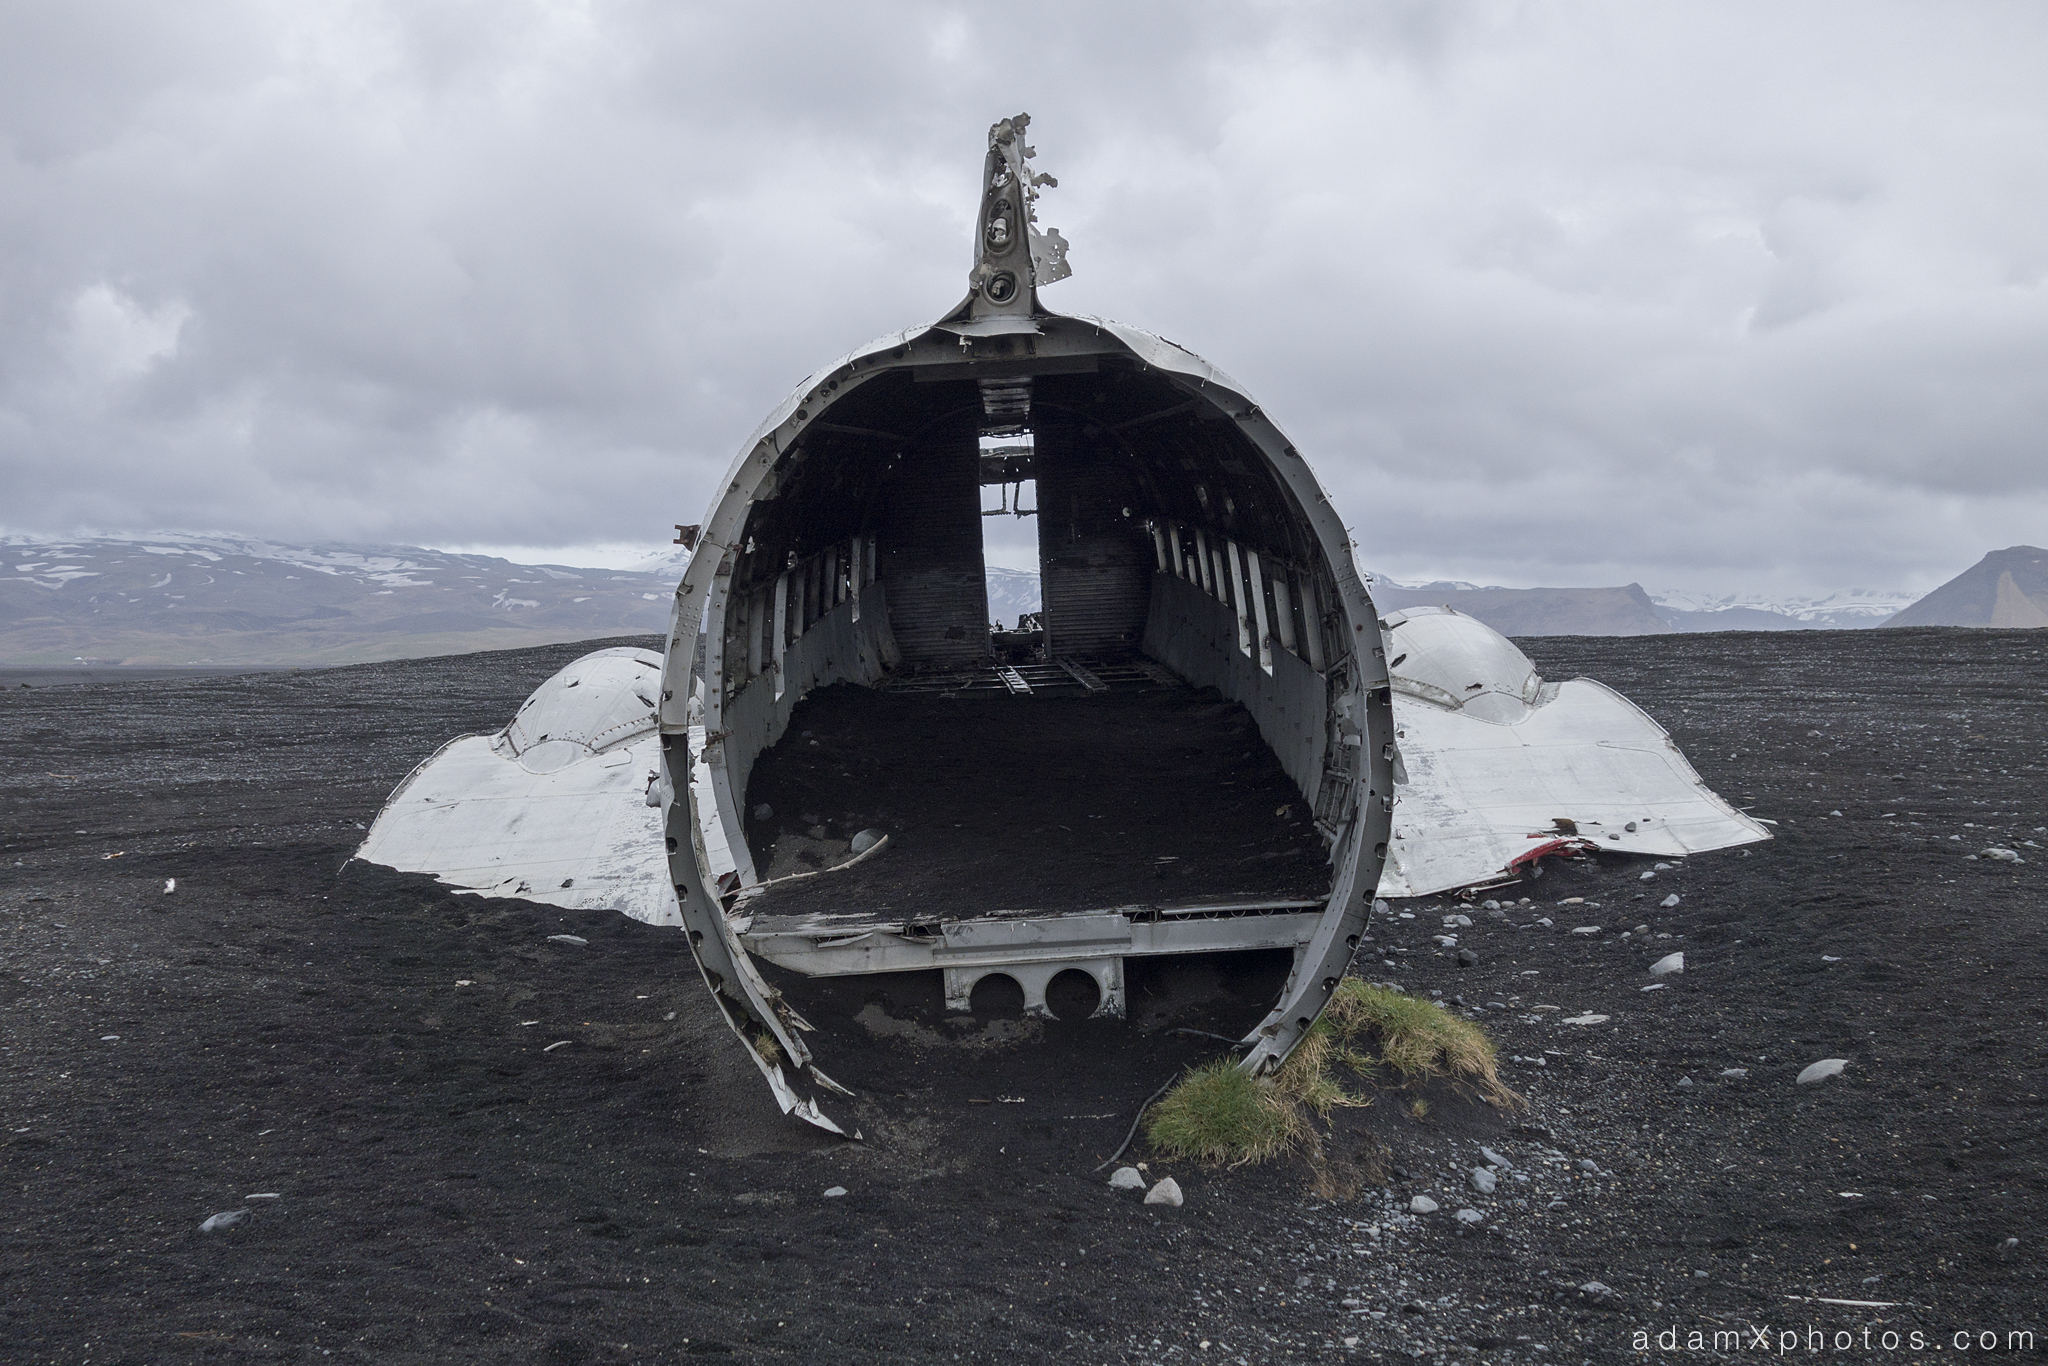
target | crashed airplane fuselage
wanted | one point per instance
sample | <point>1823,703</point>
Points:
<point>1194,751</point>
<point>1184,546</point>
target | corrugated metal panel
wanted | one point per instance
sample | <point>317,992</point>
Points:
<point>1095,563</point>
<point>929,536</point>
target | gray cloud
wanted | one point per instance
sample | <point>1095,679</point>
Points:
<point>1715,296</point>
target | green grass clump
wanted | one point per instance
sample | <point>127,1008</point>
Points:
<point>1221,1113</point>
<point>1418,1038</point>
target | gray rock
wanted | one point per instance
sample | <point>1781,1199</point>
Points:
<point>1467,958</point>
<point>1734,1073</point>
<point>578,940</point>
<point>1489,905</point>
<point>867,839</point>
<point>762,811</point>
<point>1483,1181</point>
<point>1380,907</point>
<point>1595,1288</point>
<point>2003,855</point>
<point>1495,1159</point>
<point>1127,1179</point>
<point>1587,1164</point>
<point>214,1223</point>
<point>1647,877</point>
<point>1461,921</point>
<point>1471,1218</point>
<point>1668,964</point>
<point>1822,1070</point>
<point>1167,1192</point>
<point>1422,1204</point>
<point>1668,902</point>
<point>834,1192</point>
<point>1685,1081</point>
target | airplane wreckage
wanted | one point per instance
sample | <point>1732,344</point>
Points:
<point>1047,804</point>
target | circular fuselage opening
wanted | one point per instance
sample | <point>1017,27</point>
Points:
<point>1157,753</point>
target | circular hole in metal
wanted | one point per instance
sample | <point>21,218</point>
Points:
<point>1073,995</point>
<point>997,997</point>
<point>1001,287</point>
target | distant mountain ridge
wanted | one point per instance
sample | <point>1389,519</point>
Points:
<point>2007,588</point>
<point>1624,611</point>
<point>179,599</point>
<point>1632,610</point>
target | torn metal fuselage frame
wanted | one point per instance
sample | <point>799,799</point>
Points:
<point>844,547</point>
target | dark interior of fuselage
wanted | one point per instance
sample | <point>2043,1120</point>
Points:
<point>1153,737</point>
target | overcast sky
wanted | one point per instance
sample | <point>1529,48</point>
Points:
<point>1719,296</point>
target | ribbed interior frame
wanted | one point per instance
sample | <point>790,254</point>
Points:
<point>1163,529</point>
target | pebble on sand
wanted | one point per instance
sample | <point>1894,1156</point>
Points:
<point>1668,964</point>
<point>1472,1218</point>
<point>1668,902</point>
<point>1584,1019</point>
<point>1822,1070</point>
<point>578,940</point>
<point>170,885</point>
<point>1167,1192</point>
<point>1484,1181</point>
<point>1422,1204</point>
<point>213,1223</point>
<point>834,1192</point>
<point>867,839</point>
<point>1127,1179</point>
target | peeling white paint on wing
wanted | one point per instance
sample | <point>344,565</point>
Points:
<point>553,808</point>
<point>1498,766</point>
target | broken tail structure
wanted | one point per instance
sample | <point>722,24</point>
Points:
<point>1012,256</point>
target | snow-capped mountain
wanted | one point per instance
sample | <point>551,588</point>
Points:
<point>1597,611</point>
<point>1848,608</point>
<point>1011,594</point>
<point>180,598</point>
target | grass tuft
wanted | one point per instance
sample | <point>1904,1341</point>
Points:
<point>1419,1038</point>
<point>1219,1113</point>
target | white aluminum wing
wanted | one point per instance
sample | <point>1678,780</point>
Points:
<point>554,807</point>
<point>1499,767</point>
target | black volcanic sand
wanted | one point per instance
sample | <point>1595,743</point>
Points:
<point>450,1192</point>
<point>1033,803</point>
